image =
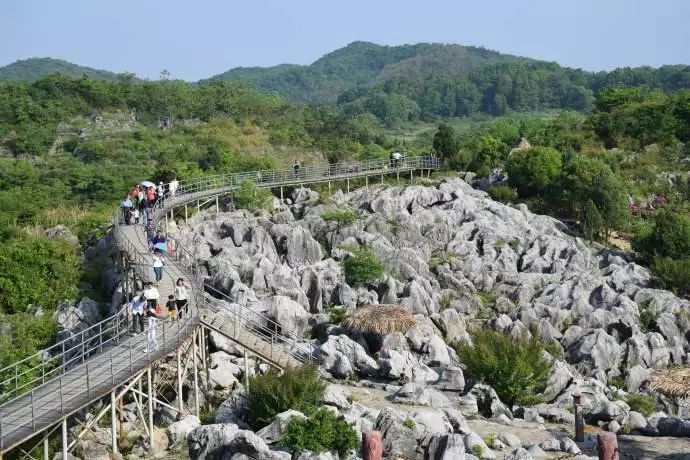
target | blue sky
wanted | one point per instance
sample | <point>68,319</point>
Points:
<point>196,39</point>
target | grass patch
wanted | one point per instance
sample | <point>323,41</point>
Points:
<point>321,432</point>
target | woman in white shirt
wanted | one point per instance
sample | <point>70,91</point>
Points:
<point>153,317</point>
<point>180,297</point>
<point>158,266</point>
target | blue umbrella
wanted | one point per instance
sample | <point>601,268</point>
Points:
<point>147,183</point>
<point>163,247</point>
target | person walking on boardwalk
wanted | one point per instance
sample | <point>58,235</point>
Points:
<point>152,295</point>
<point>160,191</point>
<point>152,318</point>
<point>295,167</point>
<point>172,187</point>
<point>136,308</point>
<point>181,297</point>
<point>126,205</point>
<point>158,266</point>
<point>171,306</point>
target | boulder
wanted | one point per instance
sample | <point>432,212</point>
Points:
<point>222,372</point>
<point>446,447</point>
<point>178,431</point>
<point>437,352</point>
<point>673,426</point>
<point>509,439</point>
<point>519,454</point>
<point>340,354</point>
<point>209,442</point>
<point>398,439</point>
<point>233,410</point>
<point>475,445</point>
<point>488,403</point>
<point>335,396</point>
<point>452,379</point>
<point>418,394</point>
<point>290,315</point>
<point>403,365</point>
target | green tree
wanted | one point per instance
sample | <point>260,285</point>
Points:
<point>670,237</point>
<point>533,171</point>
<point>592,223</point>
<point>249,196</point>
<point>445,143</point>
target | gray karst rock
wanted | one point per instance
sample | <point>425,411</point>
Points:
<point>225,440</point>
<point>398,439</point>
<point>476,445</point>
<point>455,259</point>
<point>178,431</point>
<point>290,315</point>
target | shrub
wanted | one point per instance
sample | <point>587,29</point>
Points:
<point>320,432</point>
<point>409,423</point>
<point>341,218</point>
<point>532,171</point>
<point>503,193</point>
<point>644,404</point>
<point>272,393</point>
<point>648,317</point>
<point>362,267</point>
<point>675,274</point>
<point>516,369</point>
<point>336,315</point>
<point>670,237</point>
<point>249,196</point>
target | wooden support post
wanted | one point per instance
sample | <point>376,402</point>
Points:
<point>186,218</point>
<point>366,182</point>
<point>607,446</point>
<point>329,187</point>
<point>196,375</point>
<point>180,395</point>
<point>217,205</point>
<point>579,418</point>
<point>149,381</point>
<point>411,177</point>
<point>46,449</point>
<point>281,194</point>
<point>381,179</point>
<point>348,184</point>
<point>64,439</point>
<point>397,174</point>
<point>122,420</point>
<point>113,421</point>
<point>206,372</point>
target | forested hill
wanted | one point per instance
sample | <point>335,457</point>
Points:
<point>35,68</point>
<point>425,81</point>
<point>362,63</point>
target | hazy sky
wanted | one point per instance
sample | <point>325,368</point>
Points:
<point>196,39</point>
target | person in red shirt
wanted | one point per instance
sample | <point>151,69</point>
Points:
<point>151,195</point>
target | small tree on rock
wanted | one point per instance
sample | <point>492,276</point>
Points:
<point>341,218</point>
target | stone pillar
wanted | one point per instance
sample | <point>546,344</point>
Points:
<point>372,446</point>
<point>607,445</point>
<point>579,418</point>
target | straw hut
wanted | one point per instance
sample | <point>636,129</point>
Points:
<point>376,321</point>
<point>674,382</point>
<point>380,319</point>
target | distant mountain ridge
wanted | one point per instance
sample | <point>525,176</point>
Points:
<point>34,68</point>
<point>362,64</point>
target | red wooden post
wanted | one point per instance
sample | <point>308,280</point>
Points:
<point>607,446</point>
<point>372,448</point>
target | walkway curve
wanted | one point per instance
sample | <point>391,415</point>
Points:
<point>44,389</point>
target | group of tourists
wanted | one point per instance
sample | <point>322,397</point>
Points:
<point>138,207</point>
<point>142,199</point>
<point>147,304</point>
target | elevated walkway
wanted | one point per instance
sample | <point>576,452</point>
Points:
<point>40,392</point>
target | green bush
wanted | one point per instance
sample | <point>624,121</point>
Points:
<point>362,267</point>
<point>670,237</point>
<point>320,432</point>
<point>648,317</point>
<point>675,274</point>
<point>249,196</point>
<point>38,271</point>
<point>514,368</point>
<point>532,171</point>
<point>644,404</point>
<point>272,393</point>
<point>503,193</point>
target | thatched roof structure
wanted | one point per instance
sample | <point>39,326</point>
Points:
<point>671,382</point>
<point>380,319</point>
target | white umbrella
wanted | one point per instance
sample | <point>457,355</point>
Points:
<point>146,183</point>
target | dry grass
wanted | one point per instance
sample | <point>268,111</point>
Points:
<point>380,319</point>
<point>671,382</point>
